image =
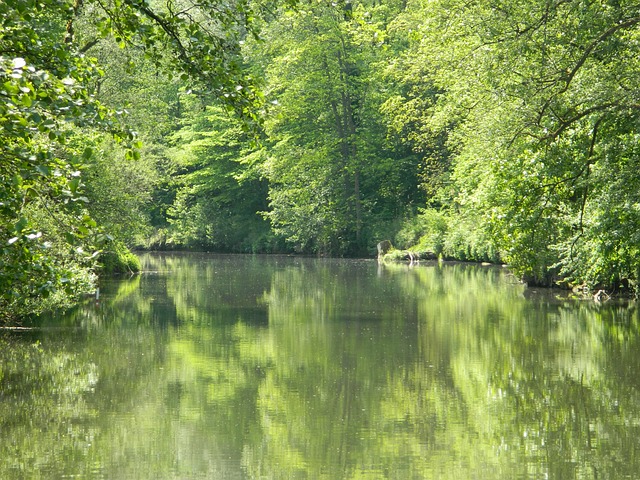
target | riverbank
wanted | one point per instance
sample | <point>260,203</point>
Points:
<point>598,293</point>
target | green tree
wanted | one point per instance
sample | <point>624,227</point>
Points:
<point>45,104</point>
<point>336,182</point>
<point>219,187</point>
<point>48,104</point>
<point>542,98</point>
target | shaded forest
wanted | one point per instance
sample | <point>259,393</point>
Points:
<point>487,131</point>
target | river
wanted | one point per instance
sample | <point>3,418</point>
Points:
<point>242,367</point>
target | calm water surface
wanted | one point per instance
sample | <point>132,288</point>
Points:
<point>242,367</point>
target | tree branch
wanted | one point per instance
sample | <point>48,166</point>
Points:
<point>567,123</point>
<point>89,45</point>
<point>568,78</point>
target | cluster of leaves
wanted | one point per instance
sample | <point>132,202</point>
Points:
<point>44,103</point>
<point>199,42</point>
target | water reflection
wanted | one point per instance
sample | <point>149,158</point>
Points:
<point>275,367</point>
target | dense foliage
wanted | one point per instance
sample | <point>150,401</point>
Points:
<point>540,103</point>
<point>479,131</point>
<point>337,180</point>
<point>52,119</point>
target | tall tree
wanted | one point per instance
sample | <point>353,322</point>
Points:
<point>335,180</point>
<point>220,192</point>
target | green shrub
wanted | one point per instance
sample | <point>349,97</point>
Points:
<point>117,258</point>
<point>410,233</point>
<point>467,241</point>
<point>447,235</point>
<point>425,232</point>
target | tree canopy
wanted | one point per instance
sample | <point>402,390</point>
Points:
<point>479,131</point>
<point>50,110</point>
<point>543,99</point>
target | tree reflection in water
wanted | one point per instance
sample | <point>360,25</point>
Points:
<point>276,367</point>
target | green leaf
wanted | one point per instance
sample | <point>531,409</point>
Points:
<point>43,170</point>
<point>88,221</point>
<point>20,225</point>
<point>16,180</point>
<point>73,184</point>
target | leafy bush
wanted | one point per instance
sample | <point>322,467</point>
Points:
<point>466,241</point>
<point>42,264</point>
<point>119,259</point>
<point>410,233</point>
<point>435,235</point>
<point>446,235</point>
